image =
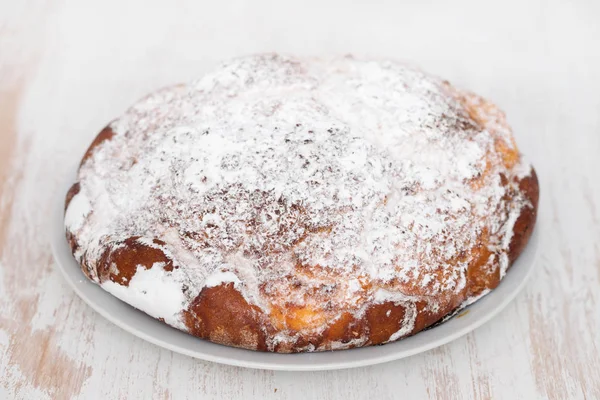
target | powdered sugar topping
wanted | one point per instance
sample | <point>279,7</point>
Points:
<point>273,166</point>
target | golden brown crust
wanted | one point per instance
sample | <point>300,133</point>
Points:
<point>105,134</point>
<point>530,189</point>
<point>73,190</point>
<point>222,315</point>
<point>120,262</point>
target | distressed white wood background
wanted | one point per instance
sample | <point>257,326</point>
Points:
<point>67,67</point>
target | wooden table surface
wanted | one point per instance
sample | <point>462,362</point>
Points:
<point>68,67</point>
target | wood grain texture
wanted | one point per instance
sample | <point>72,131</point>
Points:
<point>67,67</point>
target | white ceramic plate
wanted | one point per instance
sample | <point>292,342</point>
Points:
<point>147,328</point>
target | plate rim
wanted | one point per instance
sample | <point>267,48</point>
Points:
<point>446,332</point>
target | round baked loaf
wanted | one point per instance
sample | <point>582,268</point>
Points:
<point>292,205</point>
